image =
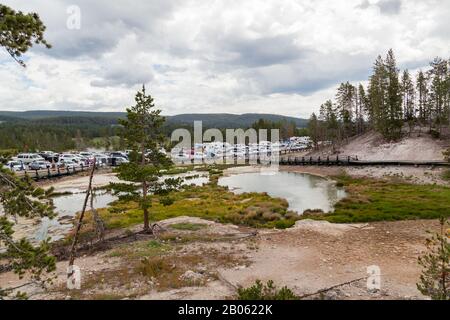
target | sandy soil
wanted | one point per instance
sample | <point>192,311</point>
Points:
<point>371,146</point>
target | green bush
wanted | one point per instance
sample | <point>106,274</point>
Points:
<point>268,291</point>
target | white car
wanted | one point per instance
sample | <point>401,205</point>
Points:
<point>15,166</point>
<point>120,160</point>
<point>66,164</point>
<point>68,157</point>
<point>27,158</point>
<point>38,165</point>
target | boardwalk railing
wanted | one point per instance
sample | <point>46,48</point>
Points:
<point>53,172</point>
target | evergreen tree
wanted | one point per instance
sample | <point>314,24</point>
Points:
<point>408,93</point>
<point>378,110</point>
<point>142,134</point>
<point>422,99</point>
<point>18,32</point>
<point>435,277</point>
<point>439,92</point>
<point>21,198</point>
<point>394,98</point>
<point>345,105</point>
<point>362,108</point>
<point>314,129</point>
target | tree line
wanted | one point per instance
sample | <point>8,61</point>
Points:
<point>391,101</point>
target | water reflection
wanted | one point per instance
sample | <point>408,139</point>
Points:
<point>302,191</point>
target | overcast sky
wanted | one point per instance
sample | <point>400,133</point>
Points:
<point>277,56</point>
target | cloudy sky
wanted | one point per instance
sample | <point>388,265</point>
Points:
<point>277,56</point>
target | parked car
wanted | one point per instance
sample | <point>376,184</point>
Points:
<point>28,158</point>
<point>66,163</point>
<point>49,156</point>
<point>118,154</point>
<point>39,165</point>
<point>101,161</point>
<point>15,165</point>
<point>68,157</point>
<point>117,161</point>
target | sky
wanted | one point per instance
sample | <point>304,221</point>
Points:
<point>274,56</point>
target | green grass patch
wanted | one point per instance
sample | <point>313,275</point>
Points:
<point>142,249</point>
<point>209,201</point>
<point>377,200</point>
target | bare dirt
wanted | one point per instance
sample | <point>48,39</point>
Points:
<point>371,146</point>
<point>308,257</point>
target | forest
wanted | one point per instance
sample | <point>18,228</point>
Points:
<point>66,130</point>
<point>391,101</point>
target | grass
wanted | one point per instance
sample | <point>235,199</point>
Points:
<point>387,200</point>
<point>446,175</point>
<point>142,249</point>
<point>209,201</point>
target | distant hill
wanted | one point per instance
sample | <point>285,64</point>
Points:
<point>66,130</point>
<point>227,120</point>
<point>211,120</point>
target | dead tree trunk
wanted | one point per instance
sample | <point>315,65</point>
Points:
<point>80,220</point>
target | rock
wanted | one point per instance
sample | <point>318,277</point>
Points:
<point>202,269</point>
<point>191,276</point>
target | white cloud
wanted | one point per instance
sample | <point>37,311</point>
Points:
<point>279,56</point>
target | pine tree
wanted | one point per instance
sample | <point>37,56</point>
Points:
<point>345,105</point>
<point>19,197</point>
<point>378,111</point>
<point>314,129</point>
<point>362,108</point>
<point>143,135</point>
<point>394,98</point>
<point>439,92</point>
<point>18,32</point>
<point>424,115</point>
<point>408,93</point>
<point>435,277</point>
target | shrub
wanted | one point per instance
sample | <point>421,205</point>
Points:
<point>268,291</point>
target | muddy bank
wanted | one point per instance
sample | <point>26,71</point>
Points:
<point>416,175</point>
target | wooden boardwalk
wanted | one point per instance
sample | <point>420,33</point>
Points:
<point>354,161</point>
